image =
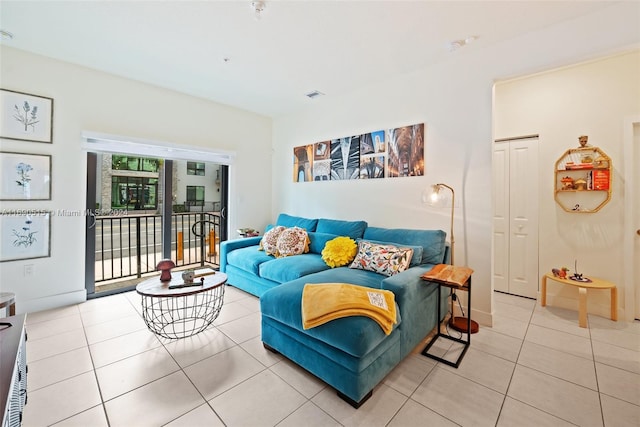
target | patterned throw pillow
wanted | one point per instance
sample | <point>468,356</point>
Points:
<point>339,251</point>
<point>382,259</point>
<point>292,241</point>
<point>269,242</point>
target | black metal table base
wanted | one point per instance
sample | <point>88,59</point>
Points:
<point>439,334</point>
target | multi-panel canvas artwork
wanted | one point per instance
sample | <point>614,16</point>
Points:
<point>392,153</point>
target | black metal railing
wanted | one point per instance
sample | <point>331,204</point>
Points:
<point>131,245</point>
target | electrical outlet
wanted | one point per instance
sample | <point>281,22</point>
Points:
<point>28,270</point>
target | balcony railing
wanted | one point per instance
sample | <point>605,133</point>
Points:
<point>131,245</point>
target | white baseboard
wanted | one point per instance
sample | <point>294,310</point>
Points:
<point>49,302</point>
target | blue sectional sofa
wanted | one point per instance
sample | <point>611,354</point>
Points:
<point>351,354</point>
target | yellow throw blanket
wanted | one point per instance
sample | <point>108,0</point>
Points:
<point>324,302</point>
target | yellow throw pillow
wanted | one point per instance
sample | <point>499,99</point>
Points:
<point>339,251</point>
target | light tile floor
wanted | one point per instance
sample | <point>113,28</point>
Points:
<point>96,364</point>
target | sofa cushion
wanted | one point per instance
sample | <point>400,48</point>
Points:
<point>416,258</point>
<point>353,229</point>
<point>318,241</point>
<point>290,268</point>
<point>383,259</point>
<point>292,241</point>
<point>355,335</point>
<point>269,242</point>
<point>339,251</point>
<point>248,259</point>
<point>297,221</point>
<point>432,241</point>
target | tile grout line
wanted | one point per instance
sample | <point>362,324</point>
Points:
<point>515,366</point>
<point>595,371</point>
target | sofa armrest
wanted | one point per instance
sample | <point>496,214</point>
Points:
<point>417,301</point>
<point>230,245</point>
<point>407,285</point>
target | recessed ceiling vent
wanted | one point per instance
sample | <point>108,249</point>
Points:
<point>314,94</point>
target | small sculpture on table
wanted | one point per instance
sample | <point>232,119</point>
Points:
<point>188,276</point>
<point>165,266</point>
<point>560,272</point>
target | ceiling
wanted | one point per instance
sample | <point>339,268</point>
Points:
<point>294,48</point>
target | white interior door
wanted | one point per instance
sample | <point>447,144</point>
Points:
<point>515,218</point>
<point>500,264</point>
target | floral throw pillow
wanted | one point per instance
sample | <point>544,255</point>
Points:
<point>383,259</point>
<point>292,241</point>
<point>339,251</point>
<point>269,242</point>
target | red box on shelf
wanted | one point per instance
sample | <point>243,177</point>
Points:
<point>600,179</point>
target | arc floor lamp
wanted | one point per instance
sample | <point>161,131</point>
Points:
<point>457,323</point>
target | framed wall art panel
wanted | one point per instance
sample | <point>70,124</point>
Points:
<point>26,117</point>
<point>25,176</point>
<point>25,234</point>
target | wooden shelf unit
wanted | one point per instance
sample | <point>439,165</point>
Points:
<point>582,180</point>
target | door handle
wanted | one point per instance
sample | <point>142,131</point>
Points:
<point>92,219</point>
<point>638,232</point>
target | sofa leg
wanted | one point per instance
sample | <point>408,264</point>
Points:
<point>352,402</point>
<point>271,349</point>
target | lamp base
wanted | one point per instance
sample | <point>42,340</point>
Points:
<point>460,324</point>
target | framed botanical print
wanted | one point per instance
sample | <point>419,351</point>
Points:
<point>25,234</point>
<point>25,176</point>
<point>25,117</point>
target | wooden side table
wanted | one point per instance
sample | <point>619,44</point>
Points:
<point>582,289</point>
<point>465,287</point>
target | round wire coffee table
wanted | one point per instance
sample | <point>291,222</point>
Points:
<point>174,311</point>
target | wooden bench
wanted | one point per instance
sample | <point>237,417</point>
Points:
<point>595,283</point>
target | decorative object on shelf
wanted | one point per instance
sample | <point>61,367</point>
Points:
<point>25,236</point>
<point>25,176</point>
<point>26,117</point>
<point>433,199</point>
<point>601,163</point>
<point>578,277</point>
<point>247,232</point>
<point>582,140</point>
<point>560,272</point>
<point>165,266</point>
<point>567,183</point>
<point>580,184</point>
<point>582,179</point>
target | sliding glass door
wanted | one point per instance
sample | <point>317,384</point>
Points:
<point>142,210</point>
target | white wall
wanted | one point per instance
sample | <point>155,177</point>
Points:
<point>85,99</point>
<point>454,100</point>
<point>591,99</point>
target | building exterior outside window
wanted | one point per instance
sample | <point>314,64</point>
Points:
<point>195,195</point>
<point>131,163</point>
<point>134,193</point>
<point>195,168</point>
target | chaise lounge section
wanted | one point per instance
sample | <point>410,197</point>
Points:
<point>352,354</point>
